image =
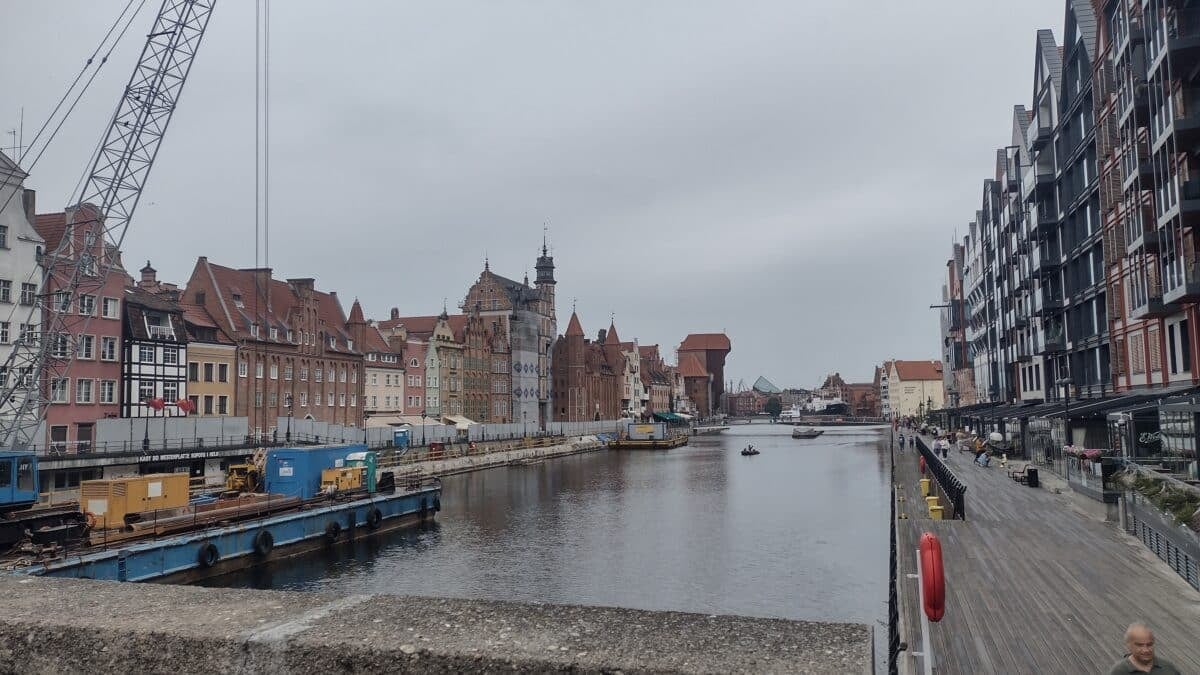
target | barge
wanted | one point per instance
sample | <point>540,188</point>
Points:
<point>649,443</point>
<point>312,506</point>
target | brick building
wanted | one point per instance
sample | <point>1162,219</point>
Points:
<point>293,345</point>
<point>709,351</point>
<point>656,380</point>
<point>383,367</point>
<point>586,384</point>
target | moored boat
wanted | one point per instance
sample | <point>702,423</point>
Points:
<point>806,433</point>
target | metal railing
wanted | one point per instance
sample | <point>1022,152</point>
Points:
<point>893,647</point>
<point>159,446</point>
<point>951,486</point>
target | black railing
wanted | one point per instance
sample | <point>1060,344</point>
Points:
<point>893,563</point>
<point>950,485</point>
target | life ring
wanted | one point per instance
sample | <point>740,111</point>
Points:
<point>933,580</point>
<point>374,519</point>
<point>89,519</point>
<point>333,529</point>
<point>208,555</point>
<point>922,465</point>
<point>437,504</point>
<point>264,543</point>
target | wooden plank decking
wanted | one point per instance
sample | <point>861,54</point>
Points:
<point>1034,583</point>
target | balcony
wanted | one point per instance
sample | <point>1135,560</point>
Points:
<point>1042,133</point>
<point>1024,353</point>
<point>1187,117</point>
<point>1183,287</point>
<point>1183,38</point>
<point>160,332</point>
<point>1039,181</point>
<point>1049,304</point>
<point>1021,320</point>
<point>1046,262</point>
<point>1141,231</point>
<point>1189,201</point>
<point>1043,223</point>
<point>1055,342</point>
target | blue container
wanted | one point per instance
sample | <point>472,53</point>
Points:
<point>400,438</point>
<point>18,479</point>
<point>296,472</point>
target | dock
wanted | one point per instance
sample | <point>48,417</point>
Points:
<point>1036,581</point>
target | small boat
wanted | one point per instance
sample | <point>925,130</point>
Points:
<point>806,433</point>
<point>749,451</point>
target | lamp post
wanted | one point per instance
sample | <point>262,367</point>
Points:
<point>423,427</point>
<point>524,423</point>
<point>287,403</point>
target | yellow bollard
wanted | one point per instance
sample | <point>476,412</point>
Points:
<point>935,513</point>
<point>931,501</point>
<point>924,487</point>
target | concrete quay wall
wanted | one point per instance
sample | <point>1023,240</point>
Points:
<point>454,465</point>
<point>75,626</point>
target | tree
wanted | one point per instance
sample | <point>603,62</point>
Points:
<point>773,407</point>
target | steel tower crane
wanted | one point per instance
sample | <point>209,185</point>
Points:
<point>90,246</point>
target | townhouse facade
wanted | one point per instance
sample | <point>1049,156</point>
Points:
<point>154,355</point>
<point>586,382</point>
<point>21,250</point>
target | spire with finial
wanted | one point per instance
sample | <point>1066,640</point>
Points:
<point>356,313</point>
<point>545,264</point>
<point>485,261</point>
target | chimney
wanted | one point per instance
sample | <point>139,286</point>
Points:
<point>29,201</point>
<point>395,312</point>
<point>149,276</point>
<point>601,335</point>
<point>302,286</point>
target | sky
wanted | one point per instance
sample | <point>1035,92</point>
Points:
<point>791,173</point>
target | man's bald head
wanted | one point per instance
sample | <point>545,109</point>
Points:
<point>1139,640</point>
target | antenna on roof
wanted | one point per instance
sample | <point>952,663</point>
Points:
<point>485,260</point>
<point>573,305</point>
<point>545,235</point>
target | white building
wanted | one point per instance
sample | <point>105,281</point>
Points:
<point>20,253</point>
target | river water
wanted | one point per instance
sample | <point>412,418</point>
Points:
<point>797,532</point>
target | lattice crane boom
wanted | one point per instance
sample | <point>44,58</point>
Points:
<point>79,264</point>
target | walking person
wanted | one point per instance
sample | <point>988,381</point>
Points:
<point>1139,654</point>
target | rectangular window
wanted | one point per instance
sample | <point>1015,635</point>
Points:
<point>304,399</point>
<point>60,346</point>
<point>222,405</point>
<point>287,372</point>
<point>258,370</point>
<point>87,305</point>
<point>1171,349</point>
<point>273,399</point>
<point>208,371</point>
<point>354,376</point>
<point>5,290</point>
<point>254,330</point>
<point>343,371</point>
<point>274,333</point>
<point>193,371</point>
<point>375,379</point>
<point>171,356</point>
<point>374,401</point>
<point>1186,345</point>
<point>145,391</point>
<point>304,373</point>
<point>242,369</point>
<point>83,391</point>
<point>108,392</point>
<point>354,401</point>
<point>110,308</point>
<point>108,348</point>
<point>332,375</point>
<point>146,354</point>
<point>195,401</point>
<point>208,405</point>
<point>28,294</point>
<point>291,336</point>
<point>274,371</point>
<point>58,390</point>
<point>258,399</point>
<point>87,347</point>
<point>170,392</point>
<point>342,399</point>
<point>222,372</point>
<point>62,301</point>
<point>318,374</point>
<point>330,399</point>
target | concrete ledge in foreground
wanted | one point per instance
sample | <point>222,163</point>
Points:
<point>63,625</point>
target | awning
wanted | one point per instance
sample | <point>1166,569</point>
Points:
<point>383,421</point>
<point>1100,407</point>
<point>460,423</point>
<point>668,417</point>
<point>684,416</point>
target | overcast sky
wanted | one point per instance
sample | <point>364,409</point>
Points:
<point>792,173</point>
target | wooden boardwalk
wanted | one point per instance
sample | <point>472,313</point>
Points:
<point>1034,583</point>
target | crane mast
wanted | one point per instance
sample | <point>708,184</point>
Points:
<point>96,225</point>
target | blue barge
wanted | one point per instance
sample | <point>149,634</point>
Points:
<point>313,522</point>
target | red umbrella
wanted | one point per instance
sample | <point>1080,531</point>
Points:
<point>156,403</point>
<point>185,405</point>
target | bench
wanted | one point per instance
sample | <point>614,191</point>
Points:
<point>1020,475</point>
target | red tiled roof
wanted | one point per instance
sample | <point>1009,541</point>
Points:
<point>919,370</point>
<point>611,337</point>
<point>690,366</point>
<point>648,350</point>
<point>424,325</point>
<point>52,227</point>
<point>574,328</point>
<point>356,313</point>
<point>197,315</point>
<point>706,341</point>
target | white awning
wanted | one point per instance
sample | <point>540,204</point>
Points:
<point>460,423</point>
<point>685,416</point>
<point>398,421</point>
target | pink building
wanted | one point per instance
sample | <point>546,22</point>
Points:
<point>89,389</point>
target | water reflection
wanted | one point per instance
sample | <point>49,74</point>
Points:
<point>798,532</point>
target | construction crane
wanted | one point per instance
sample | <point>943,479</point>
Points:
<point>90,246</point>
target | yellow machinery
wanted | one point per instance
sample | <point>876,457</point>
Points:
<point>342,478</point>
<point>111,502</point>
<point>246,477</point>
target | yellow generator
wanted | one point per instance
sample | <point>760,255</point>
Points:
<point>342,478</point>
<point>113,502</point>
<point>242,478</point>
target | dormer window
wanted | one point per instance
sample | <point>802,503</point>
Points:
<point>274,333</point>
<point>291,336</point>
<point>333,343</point>
<point>413,363</point>
<point>254,330</point>
<point>350,345</point>
<point>237,300</point>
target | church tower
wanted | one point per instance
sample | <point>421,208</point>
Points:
<point>547,328</point>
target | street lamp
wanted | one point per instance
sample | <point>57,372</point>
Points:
<point>524,423</point>
<point>287,403</point>
<point>423,427</point>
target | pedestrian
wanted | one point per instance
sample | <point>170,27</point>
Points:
<point>1139,654</point>
<point>945,448</point>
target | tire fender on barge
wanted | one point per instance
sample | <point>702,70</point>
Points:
<point>208,555</point>
<point>264,543</point>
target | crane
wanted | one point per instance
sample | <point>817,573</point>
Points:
<point>89,248</point>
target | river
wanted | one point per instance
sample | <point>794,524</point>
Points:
<point>797,532</point>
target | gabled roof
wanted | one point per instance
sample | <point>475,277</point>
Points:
<point>518,293</point>
<point>9,171</point>
<point>690,366</point>
<point>51,227</point>
<point>422,326</point>
<point>610,338</point>
<point>1085,21</point>
<point>1049,52</point>
<point>705,341</point>
<point>919,370</point>
<point>356,313</point>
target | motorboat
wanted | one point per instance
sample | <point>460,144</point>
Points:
<point>749,451</point>
<point>810,432</point>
